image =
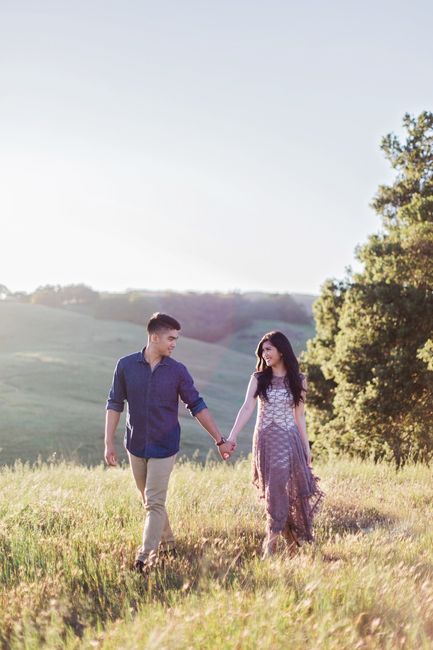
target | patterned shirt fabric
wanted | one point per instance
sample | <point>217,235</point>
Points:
<point>152,421</point>
<point>279,469</point>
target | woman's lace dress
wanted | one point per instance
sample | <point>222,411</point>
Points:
<point>280,469</point>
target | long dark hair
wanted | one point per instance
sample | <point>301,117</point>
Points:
<point>293,379</point>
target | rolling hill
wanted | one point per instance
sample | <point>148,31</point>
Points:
<point>56,368</point>
<point>247,339</point>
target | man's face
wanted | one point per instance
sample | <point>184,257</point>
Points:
<point>165,341</point>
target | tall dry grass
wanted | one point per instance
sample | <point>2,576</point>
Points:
<point>68,536</point>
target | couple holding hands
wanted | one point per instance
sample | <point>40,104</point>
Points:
<point>151,382</point>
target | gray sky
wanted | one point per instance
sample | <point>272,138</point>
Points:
<point>199,145</point>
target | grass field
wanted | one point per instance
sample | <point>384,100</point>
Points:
<point>55,370</point>
<point>68,535</point>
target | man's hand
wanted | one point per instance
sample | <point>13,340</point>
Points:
<point>226,449</point>
<point>110,455</point>
<point>111,421</point>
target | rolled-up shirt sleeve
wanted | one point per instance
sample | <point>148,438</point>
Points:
<point>189,394</point>
<point>117,395</point>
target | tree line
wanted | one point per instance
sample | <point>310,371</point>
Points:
<point>370,365</point>
<point>205,316</point>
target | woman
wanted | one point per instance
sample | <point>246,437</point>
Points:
<point>281,465</point>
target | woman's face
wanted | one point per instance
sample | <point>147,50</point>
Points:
<point>271,355</point>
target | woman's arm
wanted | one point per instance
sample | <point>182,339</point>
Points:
<point>246,410</point>
<point>299,414</point>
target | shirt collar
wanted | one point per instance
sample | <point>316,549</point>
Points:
<point>141,358</point>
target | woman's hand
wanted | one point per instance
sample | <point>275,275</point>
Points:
<point>226,450</point>
<point>232,439</point>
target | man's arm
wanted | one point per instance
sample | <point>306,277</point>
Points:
<point>198,409</point>
<point>115,405</point>
<point>111,421</point>
<point>246,410</point>
<point>207,422</point>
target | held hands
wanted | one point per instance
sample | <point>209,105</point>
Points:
<point>226,449</point>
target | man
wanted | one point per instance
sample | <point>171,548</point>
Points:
<point>151,382</point>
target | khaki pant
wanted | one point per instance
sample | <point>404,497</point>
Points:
<point>151,476</point>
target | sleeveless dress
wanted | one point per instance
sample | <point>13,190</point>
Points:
<point>279,468</point>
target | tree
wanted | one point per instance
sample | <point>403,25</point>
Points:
<point>78,294</point>
<point>380,350</point>
<point>4,292</point>
<point>317,362</point>
<point>49,295</point>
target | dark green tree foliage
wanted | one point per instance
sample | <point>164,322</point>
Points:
<point>370,365</point>
<point>318,360</point>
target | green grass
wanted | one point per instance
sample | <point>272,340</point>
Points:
<point>55,371</point>
<point>68,535</point>
<point>56,368</point>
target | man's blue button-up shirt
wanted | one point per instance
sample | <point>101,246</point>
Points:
<point>152,422</point>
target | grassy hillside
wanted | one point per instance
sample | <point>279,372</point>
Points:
<point>246,340</point>
<point>55,370</point>
<point>306,300</point>
<point>68,535</point>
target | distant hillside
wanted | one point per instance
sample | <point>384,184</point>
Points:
<point>205,316</point>
<point>247,339</point>
<point>55,370</point>
<point>306,300</point>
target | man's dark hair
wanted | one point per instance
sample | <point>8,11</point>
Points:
<point>159,322</point>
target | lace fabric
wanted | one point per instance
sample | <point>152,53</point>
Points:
<point>279,470</point>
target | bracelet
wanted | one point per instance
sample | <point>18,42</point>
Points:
<point>221,442</point>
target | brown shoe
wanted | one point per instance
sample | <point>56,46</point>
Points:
<point>139,566</point>
<point>143,563</point>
